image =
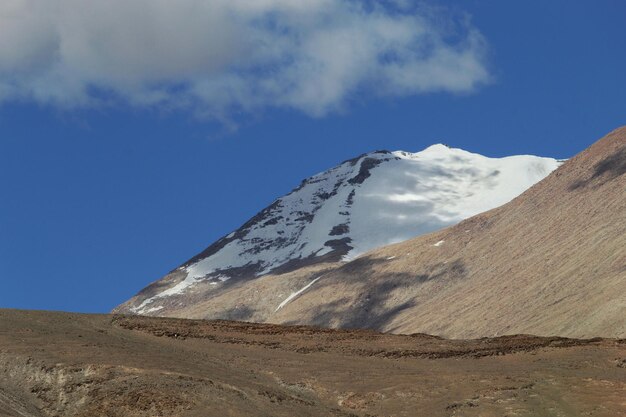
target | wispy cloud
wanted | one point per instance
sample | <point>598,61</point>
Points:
<point>216,57</point>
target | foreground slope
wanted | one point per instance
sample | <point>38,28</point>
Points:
<point>70,365</point>
<point>551,262</point>
<point>367,202</point>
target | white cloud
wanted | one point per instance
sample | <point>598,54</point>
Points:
<point>219,56</point>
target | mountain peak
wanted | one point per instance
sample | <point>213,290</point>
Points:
<point>438,147</point>
<point>370,201</point>
<point>550,262</point>
<point>437,150</point>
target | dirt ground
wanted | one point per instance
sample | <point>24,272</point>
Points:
<point>61,364</point>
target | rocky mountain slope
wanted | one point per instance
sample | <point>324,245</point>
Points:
<point>364,203</point>
<point>72,365</point>
<point>550,262</point>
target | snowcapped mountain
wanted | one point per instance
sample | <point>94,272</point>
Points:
<point>550,262</point>
<point>370,201</point>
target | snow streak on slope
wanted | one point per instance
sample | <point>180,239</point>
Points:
<point>370,201</point>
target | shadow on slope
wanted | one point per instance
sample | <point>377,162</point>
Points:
<point>609,168</point>
<point>373,303</point>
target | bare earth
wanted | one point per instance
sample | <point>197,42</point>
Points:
<point>60,364</point>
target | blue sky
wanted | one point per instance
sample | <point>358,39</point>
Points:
<point>107,184</point>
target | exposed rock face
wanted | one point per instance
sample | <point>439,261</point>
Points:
<point>364,203</point>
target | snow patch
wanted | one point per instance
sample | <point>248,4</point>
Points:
<point>439,243</point>
<point>295,294</point>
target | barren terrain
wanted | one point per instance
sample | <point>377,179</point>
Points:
<point>550,262</point>
<point>60,364</point>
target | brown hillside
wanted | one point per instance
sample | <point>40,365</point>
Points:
<point>71,365</point>
<point>551,262</point>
